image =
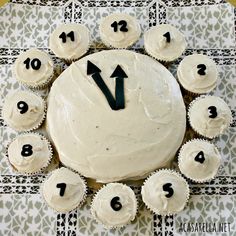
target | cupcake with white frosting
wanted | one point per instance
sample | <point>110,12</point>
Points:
<point>165,192</point>
<point>119,30</point>
<point>33,68</point>
<point>70,41</point>
<point>164,42</point>
<point>197,74</point>
<point>114,205</point>
<point>29,153</point>
<point>209,116</point>
<point>24,111</point>
<point>199,160</point>
<point>64,190</point>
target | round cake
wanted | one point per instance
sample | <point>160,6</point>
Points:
<point>122,114</point>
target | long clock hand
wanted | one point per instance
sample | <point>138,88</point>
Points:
<point>95,72</point>
<point>119,74</point>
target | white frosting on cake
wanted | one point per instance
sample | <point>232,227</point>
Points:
<point>199,116</point>
<point>70,49</point>
<point>203,170</point>
<point>189,77</point>
<point>109,145</point>
<point>119,39</point>
<point>157,46</point>
<point>31,77</point>
<point>29,120</point>
<point>74,194</point>
<point>103,211</point>
<point>40,157</point>
<point>155,197</point>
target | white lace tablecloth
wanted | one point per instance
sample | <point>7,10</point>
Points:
<point>209,27</point>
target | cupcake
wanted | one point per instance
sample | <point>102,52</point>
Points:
<point>70,41</point>
<point>29,153</point>
<point>197,74</point>
<point>114,205</point>
<point>209,116</point>
<point>119,30</point>
<point>199,160</point>
<point>64,190</point>
<point>33,68</point>
<point>164,42</point>
<point>24,111</point>
<point>165,192</point>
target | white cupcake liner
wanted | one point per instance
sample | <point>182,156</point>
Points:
<point>40,86</point>
<point>111,226</point>
<point>189,119</point>
<point>14,170</point>
<point>161,60</point>
<point>33,128</point>
<point>180,160</point>
<point>80,204</point>
<point>149,207</point>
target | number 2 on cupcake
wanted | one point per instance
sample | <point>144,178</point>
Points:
<point>123,25</point>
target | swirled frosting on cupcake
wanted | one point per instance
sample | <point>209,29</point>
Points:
<point>64,190</point>
<point>23,110</point>
<point>209,116</point>
<point>164,42</point>
<point>165,192</point>
<point>115,205</point>
<point>33,68</point>
<point>70,41</point>
<point>29,153</point>
<point>199,160</point>
<point>197,73</point>
<point>119,30</point>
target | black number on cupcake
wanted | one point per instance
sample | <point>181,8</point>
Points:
<point>115,204</point>
<point>35,63</point>
<point>123,25</point>
<point>70,35</point>
<point>62,187</point>
<point>202,69</point>
<point>167,188</point>
<point>212,112</point>
<point>167,36</point>
<point>200,157</point>
<point>22,106</point>
<point>26,150</point>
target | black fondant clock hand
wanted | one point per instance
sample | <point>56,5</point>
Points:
<point>95,72</point>
<point>119,74</point>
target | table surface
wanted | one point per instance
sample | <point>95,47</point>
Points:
<point>209,27</point>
